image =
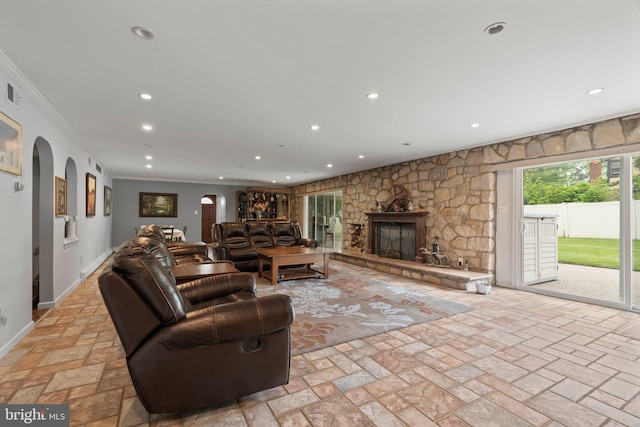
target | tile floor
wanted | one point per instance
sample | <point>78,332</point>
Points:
<point>518,359</point>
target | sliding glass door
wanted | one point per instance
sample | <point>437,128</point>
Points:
<point>324,219</point>
<point>578,230</point>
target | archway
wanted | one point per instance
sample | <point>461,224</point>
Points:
<point>42,224</point>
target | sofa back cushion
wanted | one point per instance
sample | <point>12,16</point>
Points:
<point>283,234</point>
<point>155,285</point>
<point>259,235</point>
<point>234,235</point>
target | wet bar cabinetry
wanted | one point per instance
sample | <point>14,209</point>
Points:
<point>266,203</point>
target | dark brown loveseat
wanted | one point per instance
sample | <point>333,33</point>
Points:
<point>238,241</point>
<point>199,343</point>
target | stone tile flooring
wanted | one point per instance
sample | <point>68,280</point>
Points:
<point>518,359</point>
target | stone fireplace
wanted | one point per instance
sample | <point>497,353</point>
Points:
<point>397,235</point>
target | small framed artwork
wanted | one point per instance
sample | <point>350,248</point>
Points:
<point>158,205</point>
<point>10,145</point>
<point>91,195</point>
<point>107,201</point>
<point>61,196</point>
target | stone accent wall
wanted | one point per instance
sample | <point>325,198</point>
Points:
<point>458,189</point>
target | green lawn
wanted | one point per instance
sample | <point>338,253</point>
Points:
<point>594,252</point>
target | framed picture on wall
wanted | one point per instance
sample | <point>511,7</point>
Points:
<point>158,205</point>
<point>61,196</point>
<point>10,145</point>
<point>91,195</point>
<point>107,201</point>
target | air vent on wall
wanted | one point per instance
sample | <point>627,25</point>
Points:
<point>98,168</point>
<point>12,95</point>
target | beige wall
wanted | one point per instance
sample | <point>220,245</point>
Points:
<point>458,189</point>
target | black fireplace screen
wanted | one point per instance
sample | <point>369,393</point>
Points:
<point>395,240</point>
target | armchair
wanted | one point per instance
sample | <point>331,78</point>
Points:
<point>196,344</point>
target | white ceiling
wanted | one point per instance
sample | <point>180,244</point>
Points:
<point>234,79</point>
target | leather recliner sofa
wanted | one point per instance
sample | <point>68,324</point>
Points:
<point>152,238</point>
<point>203,342</point>
<point>239,241</point>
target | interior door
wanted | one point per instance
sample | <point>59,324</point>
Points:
<point>208,218</point>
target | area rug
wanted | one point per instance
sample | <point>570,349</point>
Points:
<point>351,305</point>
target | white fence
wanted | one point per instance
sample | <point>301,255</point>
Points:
<point>599,220</point>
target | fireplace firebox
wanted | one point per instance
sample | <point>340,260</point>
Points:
<point>398,235</point>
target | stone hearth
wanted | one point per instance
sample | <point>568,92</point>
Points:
<point>449,277</point>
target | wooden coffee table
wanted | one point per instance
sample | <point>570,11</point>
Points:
<point>188,272</point>
<point>278,256</point>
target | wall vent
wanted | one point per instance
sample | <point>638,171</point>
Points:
<point>98,168</point>
<point>12,95</point>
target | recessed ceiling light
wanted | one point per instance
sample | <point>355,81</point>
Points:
<point>274,181</point>
<point>495,28</point>
<point>258,157</point>
<point>372,95</point>
<point>149,166</point>
<point>143,33</point>
<point>315,127</point>
<point>148,157</point>
<point>474,125</point>
<point>361,156</point>
<point>595,91</point>
<point>145,96</point>
<point>329,165</point>
<point>147,127</point>
<point>221,177</point>
<point>288,177</point>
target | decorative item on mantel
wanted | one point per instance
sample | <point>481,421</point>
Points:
<point>437,258</point>
<point>401,202</point>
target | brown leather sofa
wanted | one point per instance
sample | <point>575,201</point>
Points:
<point>199,343</point>
<point>238,241</point>
<point>152,238</point>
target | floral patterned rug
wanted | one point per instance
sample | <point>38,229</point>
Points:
<point>355,303</point>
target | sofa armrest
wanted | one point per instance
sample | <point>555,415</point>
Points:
<point>229,322</point>
<point>188,248</point>
<point>221,252</point>
<point>220,285</point>
<point>310,243</point>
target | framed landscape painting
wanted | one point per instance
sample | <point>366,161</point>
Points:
<point>107,201</point>
<point>61,196</point>
<point>10,145</point>
<point>91,195</point>
<point>158,205</point>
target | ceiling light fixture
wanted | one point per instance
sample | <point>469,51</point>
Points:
<point>145,96</point>
<point>148,128</point>
<point>149,157</point>
<point>495,28</point>
<point>221,177</point>
<point>595,91</point>
<point>361,156</point>
<point>474,125</point>
<point>372,95</point>
<point>258,157</point>
<point>329,165</point>
<point>149,166</point>
<point>288,177</point>
<point>315,127</point>
<point>143,33</point>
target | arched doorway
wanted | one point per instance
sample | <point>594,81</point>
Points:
<point>208,209</point>
<point>42,226</point>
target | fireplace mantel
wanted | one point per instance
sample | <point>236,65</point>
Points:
<point>417,218</point>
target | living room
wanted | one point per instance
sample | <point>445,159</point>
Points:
<point>468,193</point>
